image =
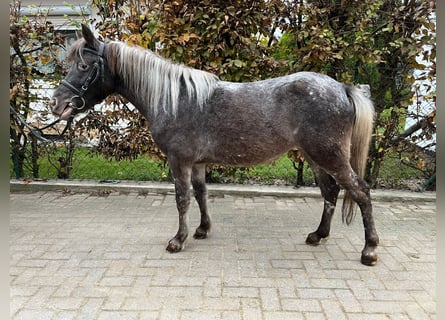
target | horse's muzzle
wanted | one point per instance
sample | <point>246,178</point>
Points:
<point>63,111</point>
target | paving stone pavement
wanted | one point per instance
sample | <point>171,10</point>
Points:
<point>99,255</point>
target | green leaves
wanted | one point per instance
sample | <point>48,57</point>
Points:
<point>376,42</point>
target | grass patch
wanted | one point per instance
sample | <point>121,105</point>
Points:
<point>393,168</point>
<point>99,168</point>
<point>395,174</point>
<point>91,166</point>
<point>88,165</point>
<point>280,171</point>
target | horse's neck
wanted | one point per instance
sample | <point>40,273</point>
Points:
<point>131,96</point>
<point>123,88</point>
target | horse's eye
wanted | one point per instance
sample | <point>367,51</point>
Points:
<point>82,66</point>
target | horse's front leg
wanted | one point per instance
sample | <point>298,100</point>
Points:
<point>200,190</point>
<point>181,175</point>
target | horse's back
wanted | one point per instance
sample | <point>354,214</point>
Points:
<point>254,122</point>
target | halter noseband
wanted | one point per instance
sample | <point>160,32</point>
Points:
<point>97,71</point>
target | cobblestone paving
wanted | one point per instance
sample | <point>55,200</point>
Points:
<point>99,256</point>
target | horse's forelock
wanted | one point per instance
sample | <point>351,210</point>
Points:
<point>75,49</point>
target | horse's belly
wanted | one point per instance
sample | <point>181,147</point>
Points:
<point>247,154</point>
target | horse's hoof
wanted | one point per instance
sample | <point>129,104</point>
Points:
<point>200,234</point>
<point>174,246</point>
<point>313,239</point>
<point>369,258</point>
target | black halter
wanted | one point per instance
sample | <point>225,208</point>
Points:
<point>97,71</point>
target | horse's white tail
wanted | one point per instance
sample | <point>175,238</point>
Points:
<point>361,136</point>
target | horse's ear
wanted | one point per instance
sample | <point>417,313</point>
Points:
<point>78,34</point>
<point>88,35</point>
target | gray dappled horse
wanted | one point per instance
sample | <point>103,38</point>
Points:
<point>197,119</point>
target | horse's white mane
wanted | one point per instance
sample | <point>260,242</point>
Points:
<point>157,81</point>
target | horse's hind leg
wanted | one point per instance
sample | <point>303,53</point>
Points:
<point>200,190</point>
<point>182,176</point>
<point>340,169</point>
<point>359,191</point>
<point>329,191</point>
